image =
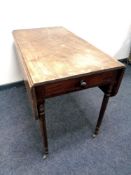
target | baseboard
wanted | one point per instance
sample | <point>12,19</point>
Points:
<point>10,85</point>
<point>124,60</point>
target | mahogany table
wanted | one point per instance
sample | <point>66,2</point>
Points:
<point>55,61</point>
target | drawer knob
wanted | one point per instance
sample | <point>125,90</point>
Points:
<point>83,83</point>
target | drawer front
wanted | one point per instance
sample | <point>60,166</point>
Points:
<point>79,83</point>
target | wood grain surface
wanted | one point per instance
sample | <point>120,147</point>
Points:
<point>50,54</point>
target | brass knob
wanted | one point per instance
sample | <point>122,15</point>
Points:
<point>83,83</point>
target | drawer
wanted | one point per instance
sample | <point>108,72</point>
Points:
<point>79,83</point>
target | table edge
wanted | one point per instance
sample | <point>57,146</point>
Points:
<point>78,76</point>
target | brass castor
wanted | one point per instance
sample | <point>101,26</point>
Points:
<point>45,156</point>
<point>94,135</point>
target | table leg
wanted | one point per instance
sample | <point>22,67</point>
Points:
<point>102,111</point>
<point>42,121</point>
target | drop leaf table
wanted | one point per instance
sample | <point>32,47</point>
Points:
<point>55,61</point>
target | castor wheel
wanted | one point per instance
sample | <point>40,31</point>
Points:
<point>45,156</point>
<point>94,135</point>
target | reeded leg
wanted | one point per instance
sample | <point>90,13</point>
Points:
<point>42,121</point>
<point>101,114</point>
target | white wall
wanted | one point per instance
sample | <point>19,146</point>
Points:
<point>104,23</point>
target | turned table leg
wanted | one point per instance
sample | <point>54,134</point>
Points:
<point>42,121</point>
<point>102,111</point>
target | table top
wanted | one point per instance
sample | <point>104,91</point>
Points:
<point>54,53</point>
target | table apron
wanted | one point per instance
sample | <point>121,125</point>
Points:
<point>74,84</point>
